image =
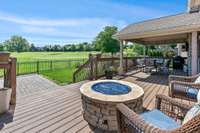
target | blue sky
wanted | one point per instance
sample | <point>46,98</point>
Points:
<point>71,21</point>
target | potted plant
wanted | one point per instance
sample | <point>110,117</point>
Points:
<point>109,73</point>
<point>5,96</point>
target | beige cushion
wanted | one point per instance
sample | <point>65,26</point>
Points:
<point>194,111</point>
<point>197,81</point>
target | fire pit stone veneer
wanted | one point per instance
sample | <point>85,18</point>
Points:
<point>99,109</point>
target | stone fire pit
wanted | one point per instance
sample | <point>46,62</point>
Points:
<point>99,100</point>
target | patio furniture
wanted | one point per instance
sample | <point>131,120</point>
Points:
<point>158,63</point>
<point>178,63</point>
<point>164,68</point>
<point>184,87</point>
<point>140,64</point>
<point>166,118</point>
<point>149,65</point>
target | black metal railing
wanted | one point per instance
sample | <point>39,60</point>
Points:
<point>39,66</point>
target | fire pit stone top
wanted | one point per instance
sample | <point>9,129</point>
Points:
<point>129,91</point>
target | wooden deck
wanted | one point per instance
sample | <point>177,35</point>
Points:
<point>43,106</point>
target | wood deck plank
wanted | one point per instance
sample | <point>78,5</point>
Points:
<point>86,129</point>
<point>150,99</point>
<point>77,127</point>
<point>35,117</point>
<point>67,125</point>
<point>45,122</point>
<point>43,106</point>
<point>162,88</point>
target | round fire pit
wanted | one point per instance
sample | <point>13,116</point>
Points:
<point>99,100</point>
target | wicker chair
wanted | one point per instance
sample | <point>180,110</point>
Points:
<point>130,122</point>
<point>178,86</point>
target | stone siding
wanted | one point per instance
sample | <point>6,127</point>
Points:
<point>103,115</point>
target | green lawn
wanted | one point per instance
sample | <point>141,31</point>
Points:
<point>62,72</point>
<point>35,56</point>
<point>60,76</point>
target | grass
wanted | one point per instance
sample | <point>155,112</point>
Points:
<point>62,72</point>
<point>39,56</point>
<point>61,76</point>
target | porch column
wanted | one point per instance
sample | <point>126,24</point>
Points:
<point>194,54</point>
<point>121,71</point>
<point>179,46</point>
<point>144,51</point>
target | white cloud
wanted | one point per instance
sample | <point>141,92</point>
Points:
<point>53,30</point>
<point>56,32</point>
<point>59,22</point>
<point>85,28</point>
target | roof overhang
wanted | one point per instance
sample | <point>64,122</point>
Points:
<point>171,29</point>
<point>158,33</point>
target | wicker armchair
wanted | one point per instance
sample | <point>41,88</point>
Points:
<point>130,122</point>
<point>178,86</point>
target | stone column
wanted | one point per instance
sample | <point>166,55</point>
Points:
<point>194,53</point>
<point>120,70</point>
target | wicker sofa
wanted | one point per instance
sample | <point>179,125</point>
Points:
<point>130,122</point>
<point>179,85</point>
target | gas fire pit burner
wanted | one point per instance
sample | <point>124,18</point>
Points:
<point>99,100</point>
<point>111,88</point>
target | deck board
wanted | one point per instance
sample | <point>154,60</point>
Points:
<point>43,106</point>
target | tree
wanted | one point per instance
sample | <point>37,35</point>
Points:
<point>80,47</point>
<point>47,48</point>
<point>32,47</point>
<point>105,42</point>
<point>17,43</point>
<point>138,49</point>
<point>56,48</point>
<point>73,48</point>
<point>1,47</point>
<point>67,47</point>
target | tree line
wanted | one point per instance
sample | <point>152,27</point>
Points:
<point>20,44</point>
<point>103,42</point>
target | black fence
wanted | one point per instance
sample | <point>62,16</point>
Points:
<point>39,66</point>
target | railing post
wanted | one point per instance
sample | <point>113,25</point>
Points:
<point>37,66</point>
<point>10,79</point>
<point>51,65</point>
<point>112,61</point>
<point>13,80</point>
<point>74,78</point>
<point>96,68</point>
<point>91,67</point>
<point>17,68</point>
<point>126,62</point>
<point>96,65</point>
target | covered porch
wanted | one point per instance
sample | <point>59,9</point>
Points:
<point>182,29</point>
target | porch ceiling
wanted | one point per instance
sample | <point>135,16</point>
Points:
<point>160,40</point>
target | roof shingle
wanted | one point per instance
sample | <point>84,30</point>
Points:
<point>169,22</point>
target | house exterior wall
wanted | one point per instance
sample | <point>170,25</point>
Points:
<point>193,5</point>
